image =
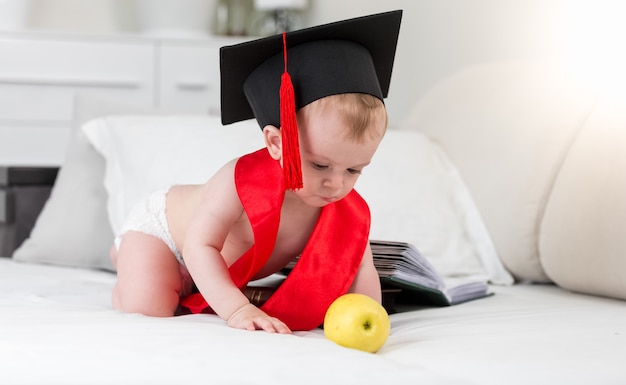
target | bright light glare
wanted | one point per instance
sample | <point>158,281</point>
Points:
<point>597,43</point>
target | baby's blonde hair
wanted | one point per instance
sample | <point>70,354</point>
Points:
<point>359,112</point>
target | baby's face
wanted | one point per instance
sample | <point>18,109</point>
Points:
<point>331,160</point>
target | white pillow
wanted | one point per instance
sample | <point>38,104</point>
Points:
<point>416,195</point>
<point>414,192</point>
<point>146,153</point>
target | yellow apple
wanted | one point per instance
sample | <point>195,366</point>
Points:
<point>357,321</point>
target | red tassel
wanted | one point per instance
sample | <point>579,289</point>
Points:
<point>292,168</point>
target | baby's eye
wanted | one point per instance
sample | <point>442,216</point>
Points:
<point>318,166</point>
<point>354,171</point>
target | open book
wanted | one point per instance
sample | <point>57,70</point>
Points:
<point>407,278</point>
<point>401,265</point>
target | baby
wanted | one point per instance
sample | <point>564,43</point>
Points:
<point>247,222</point>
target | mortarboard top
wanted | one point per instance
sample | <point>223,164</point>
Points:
<point>350,56</point>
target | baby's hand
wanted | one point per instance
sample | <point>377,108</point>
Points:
<point>250,317</point>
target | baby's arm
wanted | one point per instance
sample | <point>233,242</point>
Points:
<point>205,237</point>
<point>367,280</point>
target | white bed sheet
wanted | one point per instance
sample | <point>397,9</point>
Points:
<point>57,327</point>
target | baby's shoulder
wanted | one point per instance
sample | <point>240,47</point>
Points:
<point>221,185</point>
<point>224,174</point>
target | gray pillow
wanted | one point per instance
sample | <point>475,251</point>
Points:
<point>73,228</point>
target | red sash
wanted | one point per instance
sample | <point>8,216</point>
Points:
<point>329,262</point>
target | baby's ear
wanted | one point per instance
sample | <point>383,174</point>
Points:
<point>273,141</point>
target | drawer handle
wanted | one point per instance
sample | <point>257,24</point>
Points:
<point>72,82</point>
<point>192,85</point>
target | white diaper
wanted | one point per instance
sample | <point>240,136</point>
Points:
<point>148,216</point>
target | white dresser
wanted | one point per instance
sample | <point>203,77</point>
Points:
<point>42,73</point>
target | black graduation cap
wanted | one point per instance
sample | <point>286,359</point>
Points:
<point>350,56</point>
<point>271,78</point>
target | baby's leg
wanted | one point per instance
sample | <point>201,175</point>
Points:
<point>148,276</point>
<point>113,256</point>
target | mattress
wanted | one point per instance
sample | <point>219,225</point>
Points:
<point>57,327</point>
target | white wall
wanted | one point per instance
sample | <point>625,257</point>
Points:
<point>90,16</point>
<point>438,37</point>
